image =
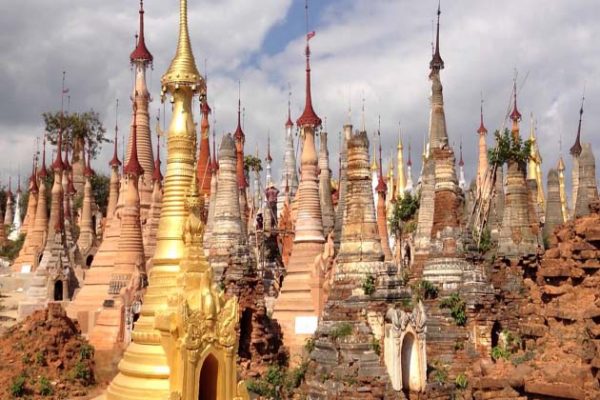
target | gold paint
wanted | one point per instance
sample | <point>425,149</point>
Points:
<point>401,179</point>
<point>563,192</point>
<point>183,319</point>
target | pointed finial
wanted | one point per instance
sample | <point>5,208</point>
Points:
<point>409,162</point>
<point>183,70</point>
<point>268,159</point>
<point>115,160</point>
<point>515,115</point>
<point>461,163</point>
<point>157,175</point>
<point>400,145</point>
<point>43,172</point>
<point>141,53</point>
<point>239,133</point>
<point>381,186</point>
<point>437,63</point>
<point>482,130</point>
<point>576,148</point>
<point>309,117</point>
<point>289,123</point>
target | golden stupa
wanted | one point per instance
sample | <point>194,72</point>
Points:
<point>184,344</point>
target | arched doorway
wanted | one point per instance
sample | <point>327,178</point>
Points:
<point>208,379</point>
<point>58,290</point>
<point>88,261</point>
<point>496,331</point>
<point>410,363</point>
<point>245,334</point>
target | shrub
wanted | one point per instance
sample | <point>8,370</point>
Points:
<point>309,345</point>
<point>485,241</point>
<point>82,373</point>
<point>376,346</point>
<point>457,308</point>
<point>86,352</point>
<point>425,290</point>
<point>45,388</point>
<point>17,387</point>
<point>40,358</point>
<point>278,381</point>
<point>404,210</point>
<point>341,330</point>
<point>461,381</point>
<point>499,352</point>
<point>368,285</point>
<point>440,372</point>
<point>509,148</point>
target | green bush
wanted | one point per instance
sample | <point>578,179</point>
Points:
<point>17,387</point>
<point>485,241</point>
<point>86,352</point>
<point>404,210</point>
<point>509,148</point>
<point>12,249</point>
<point>368,285</point>
<point>309,345</point>
<point>45,388</point>
<point>425,290</point>
<point>461,381</point>
<point>376,346</point>
<point>40,358</point>
<point>499,352</point>
<point>278,382</point>
<point>457,306</point>
<point>82,373</point>
<point>341,330</point>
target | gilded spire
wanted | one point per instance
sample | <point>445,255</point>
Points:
<point>141,53</point>
<point>183,70</point>
<point>576,148</point>
<point>309,116</point>
<point>437,63</point>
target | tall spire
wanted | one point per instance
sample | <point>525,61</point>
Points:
<point>239,133</point>
<point>461,163</point>
<point>43,172</point>
<point>88,171</point>
<point>115,160</point>
<point>515,116</point>
<point>482,130</point>
<point>576,148</point>
<point>309,116</point>
<point>289,123</point>
<point>381,186</point>
<point>58,164</point>
<point>141,53</point>
<point>269,158</point>
<point>437,63</point>
<point>157,175</point>
<point>133,167</point>
<point>183,70</point>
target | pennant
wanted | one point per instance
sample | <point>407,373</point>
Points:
<point>310,35</point>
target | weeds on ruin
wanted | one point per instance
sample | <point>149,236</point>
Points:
<point>457,306</point>
<point>17,387</point>
<point>278,382</point>
<point>438,372</point>
<point>341,330</point>
<point>309,345</point>
<point>485,241</point>
<point>376,346</point>
<point>509,148</point>
<point>424,290</point>
<point>368,285</point>
<point>45,387</point>
<point>461,381</point>
<point>499,352</point>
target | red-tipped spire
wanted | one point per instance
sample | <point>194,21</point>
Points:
<point>515,115</point>
<point>141,52</point>
<point>381,186</point>
<point>576,148</point>
<point>58,164</point>
<point>157,175</point>
<point>239,133</point>
<point>269,158</point>
<point>437,63</point>
<point>289,123</point>
<point>32,179</point>
<point>43,172</point>
<point>115,160</point>
<point>88,171</point>
<point>482,130</point>
<point>461,163</point>
<point>309,116</point>
<point>133,167</point>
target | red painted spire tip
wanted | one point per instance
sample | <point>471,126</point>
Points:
<point>43,172</point>
<point>58,164</point>
<point>309,117</point>
<point>437,63</point>
<point>482,129</point>
<point>133,167</point>
<point>141,52</point>
<point>157,175</point>
<point>515,115</point>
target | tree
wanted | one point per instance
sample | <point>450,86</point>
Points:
<point>509,148</point>
<point>77,128</point>
<point>100,191</point>
<point>252,163</point>
<point>404,210</point>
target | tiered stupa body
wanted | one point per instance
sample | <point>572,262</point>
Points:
<point>289,174</point>
<point>587,192</point>
<point>214,184</point>
<point>113,325</point>
<point>553,212</point>
<point>401,186</point>
<point>28,251</point>
<point>141,59</point>
<point>382,220</point>
<point>153,366</point>
<point>227,221</point>
<point>327,211</point>
<point>462,181</point>
<point>482,163</point>
<point>88,301</point>
<point>204,175</point>
<point>31,204</point>
<point>519,234</point>
<point>297,307</point>
<point>87,231</point>
<point>343,184</point>
<point>374,178</point>
<point>15,227</point>
<point>151,226</point>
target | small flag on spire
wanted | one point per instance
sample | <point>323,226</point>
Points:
<point>310,35</point>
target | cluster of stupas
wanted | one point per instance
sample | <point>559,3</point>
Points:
<point>207,265</point>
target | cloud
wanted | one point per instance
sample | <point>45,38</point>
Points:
<point>376,50</point>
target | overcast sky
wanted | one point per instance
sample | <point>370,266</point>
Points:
<point>379,49</point>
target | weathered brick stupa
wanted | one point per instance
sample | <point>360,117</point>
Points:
<point>32,243</point>
<point>520,232</point>
<point>87,231</point>
<point>181,300</point>
<point>151,226</point>
<point>68,196</point>
<point>204,161</point>
<point>554,216</point>
<point>114,323</point>
<point>327,211</point>
<point>242,183</point>
<point>297,307</point>
<point>587,192</point>
<point>214,184</point>
<point>482,160</point>
<point>88,300</point>
<point>141,59</point>
<point>343,184</point>
<point>54,279</point>
<point>227,221</point>
<point>285,226</point>
<point>289,173</point>
<point>344,355</point>
<point>382,220</point>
